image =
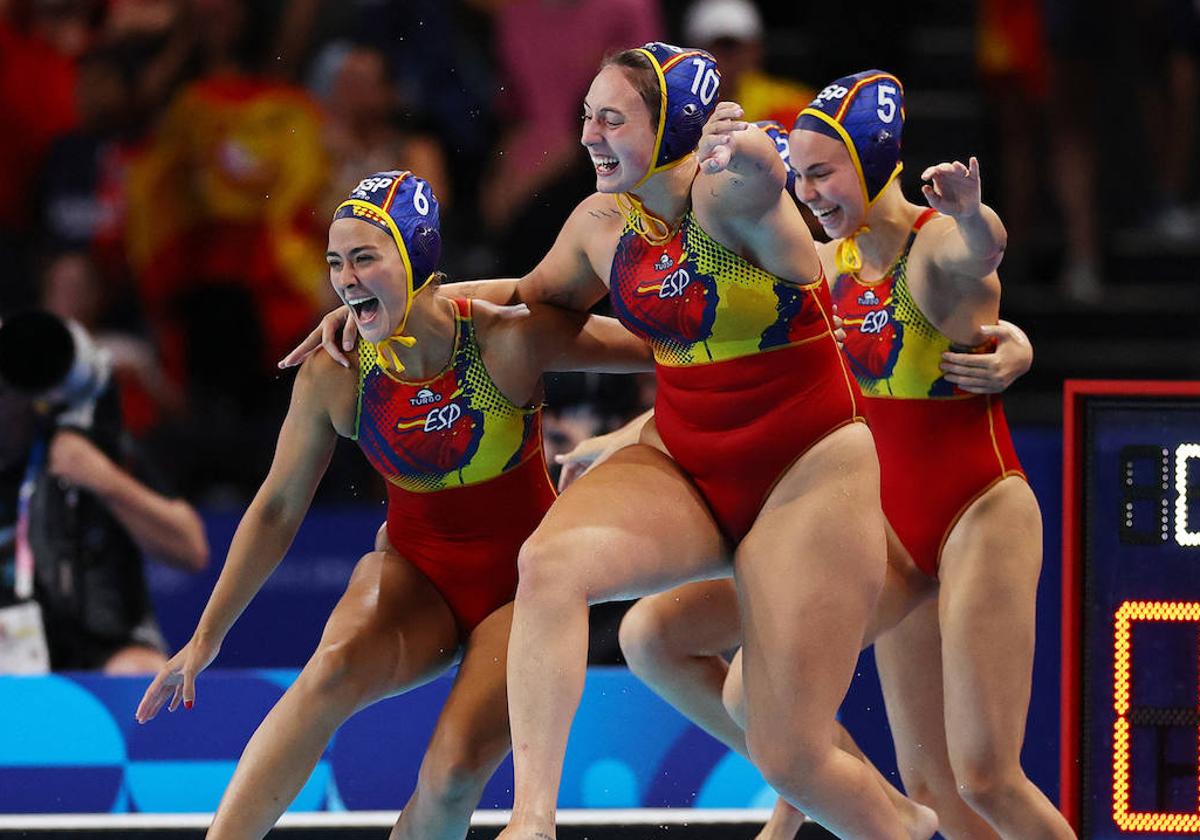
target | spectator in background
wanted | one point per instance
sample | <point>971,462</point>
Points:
<point>732,30</point>
<point>537,173</point>
<point>225,236</point>
<point>37,94</point>
<point>1075,38</point>
<point>82,184</point>
<point>88,521</point>
<point>72,288</point>
<point>1013,66</point>
<point>1169,65</point>
<point>362,130</point>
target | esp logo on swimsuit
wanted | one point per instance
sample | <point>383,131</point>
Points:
<point>875,321</point>
<point>674,284</point>
<point>440,419</point>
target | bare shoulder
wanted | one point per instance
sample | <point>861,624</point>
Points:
<point>324,387</point>
<point>499,327</point>
<point>599,209</point>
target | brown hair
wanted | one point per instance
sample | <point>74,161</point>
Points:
<point>640,72</point>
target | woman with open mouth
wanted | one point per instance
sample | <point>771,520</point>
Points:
<point>444,398</point>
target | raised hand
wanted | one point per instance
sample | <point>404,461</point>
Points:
<point>716,142</point>
<point>953,189</point>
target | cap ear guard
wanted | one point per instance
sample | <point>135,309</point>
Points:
<point>689,84</point>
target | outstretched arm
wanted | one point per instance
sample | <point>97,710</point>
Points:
<point>564,340</point>
<point>595,450</point>
<point>267,529</point>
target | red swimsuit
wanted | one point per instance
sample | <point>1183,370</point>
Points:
<point>940,448</point>
<point>749,374</point>
<point>467,480</point>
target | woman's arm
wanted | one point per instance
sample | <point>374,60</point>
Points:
<point>306,443</point>
<point>970,244</point>
<point>302,453</point>
<point>588,453</point>
<point>565,340</point>
<point>740,198</point>
<point>746,174</point>
<point>991,373</point>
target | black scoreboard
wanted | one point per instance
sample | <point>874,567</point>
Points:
<point>1131,609</point>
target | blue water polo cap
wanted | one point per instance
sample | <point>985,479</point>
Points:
<point>866,112</point>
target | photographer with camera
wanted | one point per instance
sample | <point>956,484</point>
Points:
<point>74,524</point>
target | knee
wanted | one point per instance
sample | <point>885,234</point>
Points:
<point>336,670</point>
<point>987,782</point>
<point>543,569</point>
<point>645,637</point>
<point>786,762</point>
<point>457,769</point>
<point>928,790</point>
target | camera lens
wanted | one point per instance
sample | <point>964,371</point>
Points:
<point>36,351</point>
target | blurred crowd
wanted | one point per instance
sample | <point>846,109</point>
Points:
<point>170,165</point>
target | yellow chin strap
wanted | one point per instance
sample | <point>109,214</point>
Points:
<point>646,224</point>
<point>389,360</point>
<point>847,256</point>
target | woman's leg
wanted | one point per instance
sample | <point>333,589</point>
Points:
<point>989,575</point>
<point>390,631</point>
<point>674,642</point>
<point>809,574</point>
<point>631,526</point>
<point>909,659</point>
<point>469,742</point>
<point>905,589</point>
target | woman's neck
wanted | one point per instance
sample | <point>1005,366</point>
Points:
<point>668,194</point>
<point>888,221</point>
<point>431,323</point>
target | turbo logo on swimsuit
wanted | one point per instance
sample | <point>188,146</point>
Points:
<point>425,397</point>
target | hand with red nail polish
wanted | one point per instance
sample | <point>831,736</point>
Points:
<point>176,681</point>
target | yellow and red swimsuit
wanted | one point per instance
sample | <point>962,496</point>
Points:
<point>467,480</point>
<point>940,448</point>
<point>749,374</point>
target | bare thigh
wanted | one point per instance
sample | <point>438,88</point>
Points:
<point>633,526</point>
<point>988,597</point>
<point>809,575</point>
<point>909,660</point>
<point>391,630</point>
<point>905,588</point>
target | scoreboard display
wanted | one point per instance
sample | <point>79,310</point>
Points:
<point>1131,609</point>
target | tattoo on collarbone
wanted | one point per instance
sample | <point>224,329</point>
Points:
<point>541,835</point>
<point>606,213</point>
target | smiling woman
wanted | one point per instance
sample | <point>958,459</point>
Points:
<point>444,399</point>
